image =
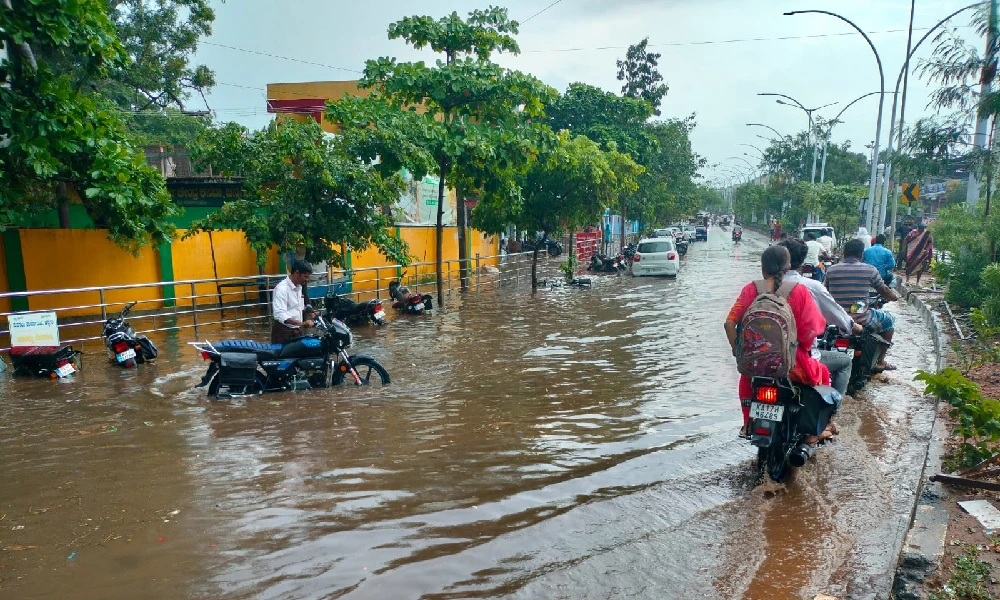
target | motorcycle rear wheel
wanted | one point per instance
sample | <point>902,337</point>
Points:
<point>771,463</point>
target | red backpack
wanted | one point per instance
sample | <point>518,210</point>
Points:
<point>767,337</point>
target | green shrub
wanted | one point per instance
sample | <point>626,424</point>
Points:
<point>568,267</point>
<point>976,420</point>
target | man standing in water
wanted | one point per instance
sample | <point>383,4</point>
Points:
<point>288,304</point>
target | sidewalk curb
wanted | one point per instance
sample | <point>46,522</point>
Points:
<point>923,547</point>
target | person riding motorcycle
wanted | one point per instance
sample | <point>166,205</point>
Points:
<point>838,363</point>
<point>849,283</point>
<point>809,323</point>
<point>815,253</point>
<point>737,233</point>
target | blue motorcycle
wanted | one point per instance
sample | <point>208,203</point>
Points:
<point>247,368</point>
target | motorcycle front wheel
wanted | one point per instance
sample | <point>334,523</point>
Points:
<point>369,370</point>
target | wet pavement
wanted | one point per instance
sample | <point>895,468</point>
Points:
<point>580,443</point>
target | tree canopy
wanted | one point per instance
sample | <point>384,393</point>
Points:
<point>640,76</point>
<point>59,137</point>
<point>303,188</point>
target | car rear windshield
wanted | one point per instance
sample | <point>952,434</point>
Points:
<point>655,247</point>
<point>700,229</point>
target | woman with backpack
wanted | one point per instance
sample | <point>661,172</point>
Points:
<point>809,323</point>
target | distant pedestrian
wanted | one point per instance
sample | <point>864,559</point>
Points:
<point>918,248</point>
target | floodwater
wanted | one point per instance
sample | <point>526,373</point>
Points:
<point>580,443</point>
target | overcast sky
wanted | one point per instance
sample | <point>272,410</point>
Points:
<point>580,40</point>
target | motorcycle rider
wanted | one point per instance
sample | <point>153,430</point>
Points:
<point>881,258</point>
<point>849,283</point>
<point>737,233</point>
<point>838,363</point>
<point>816,251</point>
<point>288,306</point>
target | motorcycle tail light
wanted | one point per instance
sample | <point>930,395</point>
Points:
<point>842,343</point>
<point>767,394</point>
<point>378,307</point>
<point>636,257</point>
<point>121,346</point>
<point>205,355</point>
<point>857,353</point>
<point>761,431</point>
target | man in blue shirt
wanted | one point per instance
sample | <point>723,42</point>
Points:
<point>881,258</point>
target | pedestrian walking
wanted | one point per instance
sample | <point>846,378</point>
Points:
<point>918,248</point>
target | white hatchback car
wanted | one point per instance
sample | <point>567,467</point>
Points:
<point>656,256</point>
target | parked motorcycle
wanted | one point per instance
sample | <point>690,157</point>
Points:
<point>245,368</point>
<point>554,247</point>
<point>782,414</point>
<point>410,302</point>
<point>44,361</point>
<point>125,348</point>
<point>629,253</point>
<point>602,263</point>
<point>682,246</point>
<point>355,313</point>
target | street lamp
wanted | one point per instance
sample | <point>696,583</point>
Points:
<point>778,133</point>
<point>881,103</point>
<point>829,130</point>
<point>809,112</point>
<point>759,151</point>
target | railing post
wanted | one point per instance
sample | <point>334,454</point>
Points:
<point>378,282</point>
<point>194,311</point>
<point>478,280</point>
<point>104,309</point>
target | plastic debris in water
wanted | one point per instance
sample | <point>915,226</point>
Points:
<point>71,556</point>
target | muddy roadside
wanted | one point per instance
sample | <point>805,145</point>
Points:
<point>952,550</point>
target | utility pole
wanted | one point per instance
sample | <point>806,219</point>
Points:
<point>986,81</point>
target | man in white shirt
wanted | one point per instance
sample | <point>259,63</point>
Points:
<point>827,242</point>
<point>838,363</point>
<point>288,304</point>
<point>815,250</point>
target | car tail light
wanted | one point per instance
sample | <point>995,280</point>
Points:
<point>842,343</point>
<point>636,257</point>
<point>671,255</point>
<point>121,346</point>
<point>767,394</point>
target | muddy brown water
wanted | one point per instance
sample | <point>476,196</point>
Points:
<point>575,444</point>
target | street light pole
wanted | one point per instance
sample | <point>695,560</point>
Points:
<point>812,128</point>
<point>881,104</point>
<point>829,131</point>
<point>776,132</point>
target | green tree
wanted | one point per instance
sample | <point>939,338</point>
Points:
<point>604,117</point>
<point>477,115</point>
<point>160,38</point>
<point>58,138</point>
<point>667,191</point>
<point>641,76</point>
<point>303,189</point>
<point>168,127</point>
<point>571,183</point>
<point>793,157</point>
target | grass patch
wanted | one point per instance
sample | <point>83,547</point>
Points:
<point>969,581</point>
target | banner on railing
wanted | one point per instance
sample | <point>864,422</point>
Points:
<point>586,245</point>
<point>34,329</point>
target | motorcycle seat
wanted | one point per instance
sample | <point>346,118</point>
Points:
<point>248,346</point>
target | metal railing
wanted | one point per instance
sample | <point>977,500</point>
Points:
<point>83,321</point>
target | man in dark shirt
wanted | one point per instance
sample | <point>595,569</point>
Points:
<point>849,283</point>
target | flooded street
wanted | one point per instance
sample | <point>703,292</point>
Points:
<point>580,443</point>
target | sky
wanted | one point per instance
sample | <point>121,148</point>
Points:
<point>579,40</point>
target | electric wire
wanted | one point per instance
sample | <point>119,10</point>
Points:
<point>540,12</point>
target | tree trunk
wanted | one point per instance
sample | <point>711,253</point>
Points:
<point>439,271</point>
<point>623,227</point>
<point>62,197</point>
<point>463,253</point>
<point>534,269</point>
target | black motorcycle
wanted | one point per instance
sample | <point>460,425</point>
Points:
<point>125,348</point>
<point>355,313</point>
<point>409,302</point>
<point>682,246</point>
<point>782,415</point>
<point>737,236</point>
<point>245,368</point>
<point>54,362</point>
<point>629,253</point>
<point>602,263</point>
<point>864,348</point>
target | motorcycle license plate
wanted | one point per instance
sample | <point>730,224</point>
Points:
<point>127,355</point>
<point>65,370</point>
<point>380,314</point>
<point>768,412</point>
<point>418,306</point>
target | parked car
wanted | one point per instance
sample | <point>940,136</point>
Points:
<point>689,232</point>
<point>701,233</point>
<point>663,232</point>
<point>656,256</point>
